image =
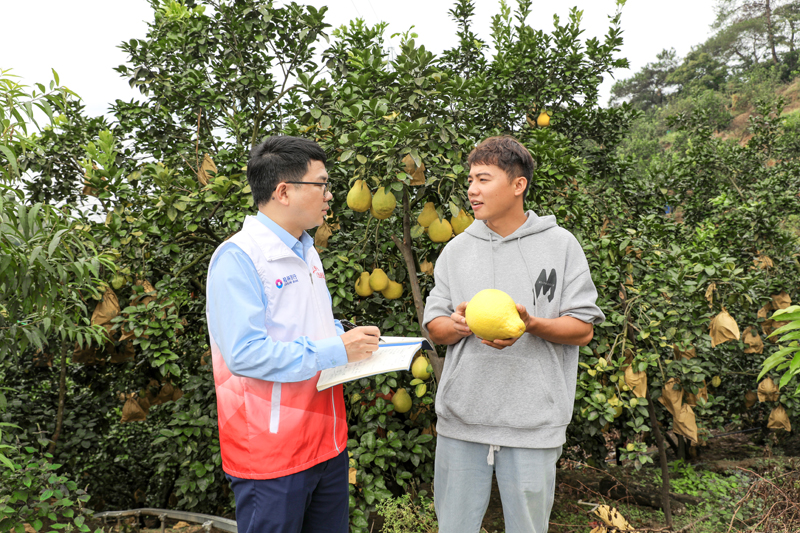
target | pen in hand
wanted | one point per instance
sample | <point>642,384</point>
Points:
<point>347,325</point>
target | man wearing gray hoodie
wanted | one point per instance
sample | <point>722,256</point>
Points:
<point>504,406</point>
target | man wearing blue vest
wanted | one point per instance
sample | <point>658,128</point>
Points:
<point>271,329</point>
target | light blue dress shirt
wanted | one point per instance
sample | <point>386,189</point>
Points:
<point>237,306</point>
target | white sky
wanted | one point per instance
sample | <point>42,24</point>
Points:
<point>79,38</point>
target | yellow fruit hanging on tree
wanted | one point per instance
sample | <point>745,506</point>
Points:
<point>401,401</point>
<point>440,230</point>
<point>419,368</point>
<point>544,119</point>
<point>461,222</point>
<point>393,291</point>
<point>362,285</point>
<point>428,215</point>
<point>383,204</point>
<point>378,280</point>
<point>359,198</point>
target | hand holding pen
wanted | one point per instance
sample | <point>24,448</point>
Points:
<point>360,341</point>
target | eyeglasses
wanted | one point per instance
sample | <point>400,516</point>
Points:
<point>323,184</point>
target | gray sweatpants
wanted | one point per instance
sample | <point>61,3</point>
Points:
<point>463,483</point>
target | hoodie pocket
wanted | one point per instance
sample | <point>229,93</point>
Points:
<point>497,388</point>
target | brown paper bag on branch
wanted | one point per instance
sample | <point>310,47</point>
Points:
<point>426,267</point>
<point>322,235</point>
<point>753,341</point>
<point>685,423</point>
<point>148,287</point>
<point>688,353</point>
<point>207,166</point>
<point>637,381</point>
<point>106,310</point>
<point>670,398</point>
<point>132,411</point>
<point>690,398</point>
<point>781,301</point>
<point>778,419</point>
<point>768,391</point>
<point>750,398</point>
<point>723,328</point>
<point>417,173</point>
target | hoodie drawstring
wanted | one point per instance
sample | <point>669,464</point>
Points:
<point>490,457</point>
<point>491,257</point>
<point>530,276</point>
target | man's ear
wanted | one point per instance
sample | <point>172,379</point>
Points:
<point>281,194</point>
<point>519,185</point>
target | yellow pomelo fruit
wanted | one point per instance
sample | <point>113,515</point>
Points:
<point>401,401</point>
<point>617,411</point>
<point>716,381</point>
<point>419,368</point>
<point>393,291</point>
<point>492,315</point>
<point>362,285</point>
<point>359,198</point>
<point>383,203</point>
<point>378,280</point>
<point>428,215</point>
<point>544,120</point>
<point>461,222</point>
<point>440,230</point>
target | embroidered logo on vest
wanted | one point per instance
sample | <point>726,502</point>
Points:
<point>287,280</point>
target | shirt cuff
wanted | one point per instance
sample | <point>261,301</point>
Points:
<point>330,353</point>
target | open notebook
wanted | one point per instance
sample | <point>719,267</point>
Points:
<point>394,353</point>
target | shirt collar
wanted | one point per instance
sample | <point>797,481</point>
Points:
<point>299,247</point>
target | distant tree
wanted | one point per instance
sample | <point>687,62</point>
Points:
<point>698,70</point>
<point>753,31</point>
<point>650,86</point>
<point>468,57</point>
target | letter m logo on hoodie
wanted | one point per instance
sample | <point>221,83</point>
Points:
<point>546,284</point>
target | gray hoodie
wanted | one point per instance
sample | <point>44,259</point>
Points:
<point>521,396</point>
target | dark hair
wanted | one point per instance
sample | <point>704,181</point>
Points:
<point>278,159</point>
<point>506,153</point>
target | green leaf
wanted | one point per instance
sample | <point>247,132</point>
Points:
<point>347,154</point>
<point>415,156</point>
<point>12,160</point>
<point>774,360</point>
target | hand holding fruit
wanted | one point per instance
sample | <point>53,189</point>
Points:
<point>505,343</point>
<point>460,320</point>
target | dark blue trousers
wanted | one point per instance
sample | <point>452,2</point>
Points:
<point>312,501</point>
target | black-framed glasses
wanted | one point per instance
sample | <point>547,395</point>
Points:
<point>323,184</point>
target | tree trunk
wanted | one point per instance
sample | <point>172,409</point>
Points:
<point>411,266</point>
<point>62,395</point>
<point>662,455</point>
<point>770,30</point>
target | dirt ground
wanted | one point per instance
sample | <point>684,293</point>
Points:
<point>753,460</point>
<point>745,456</point>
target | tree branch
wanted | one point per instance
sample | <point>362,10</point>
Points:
<point>411,266</point>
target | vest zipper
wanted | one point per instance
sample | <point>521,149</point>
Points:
<point>333,398</point>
